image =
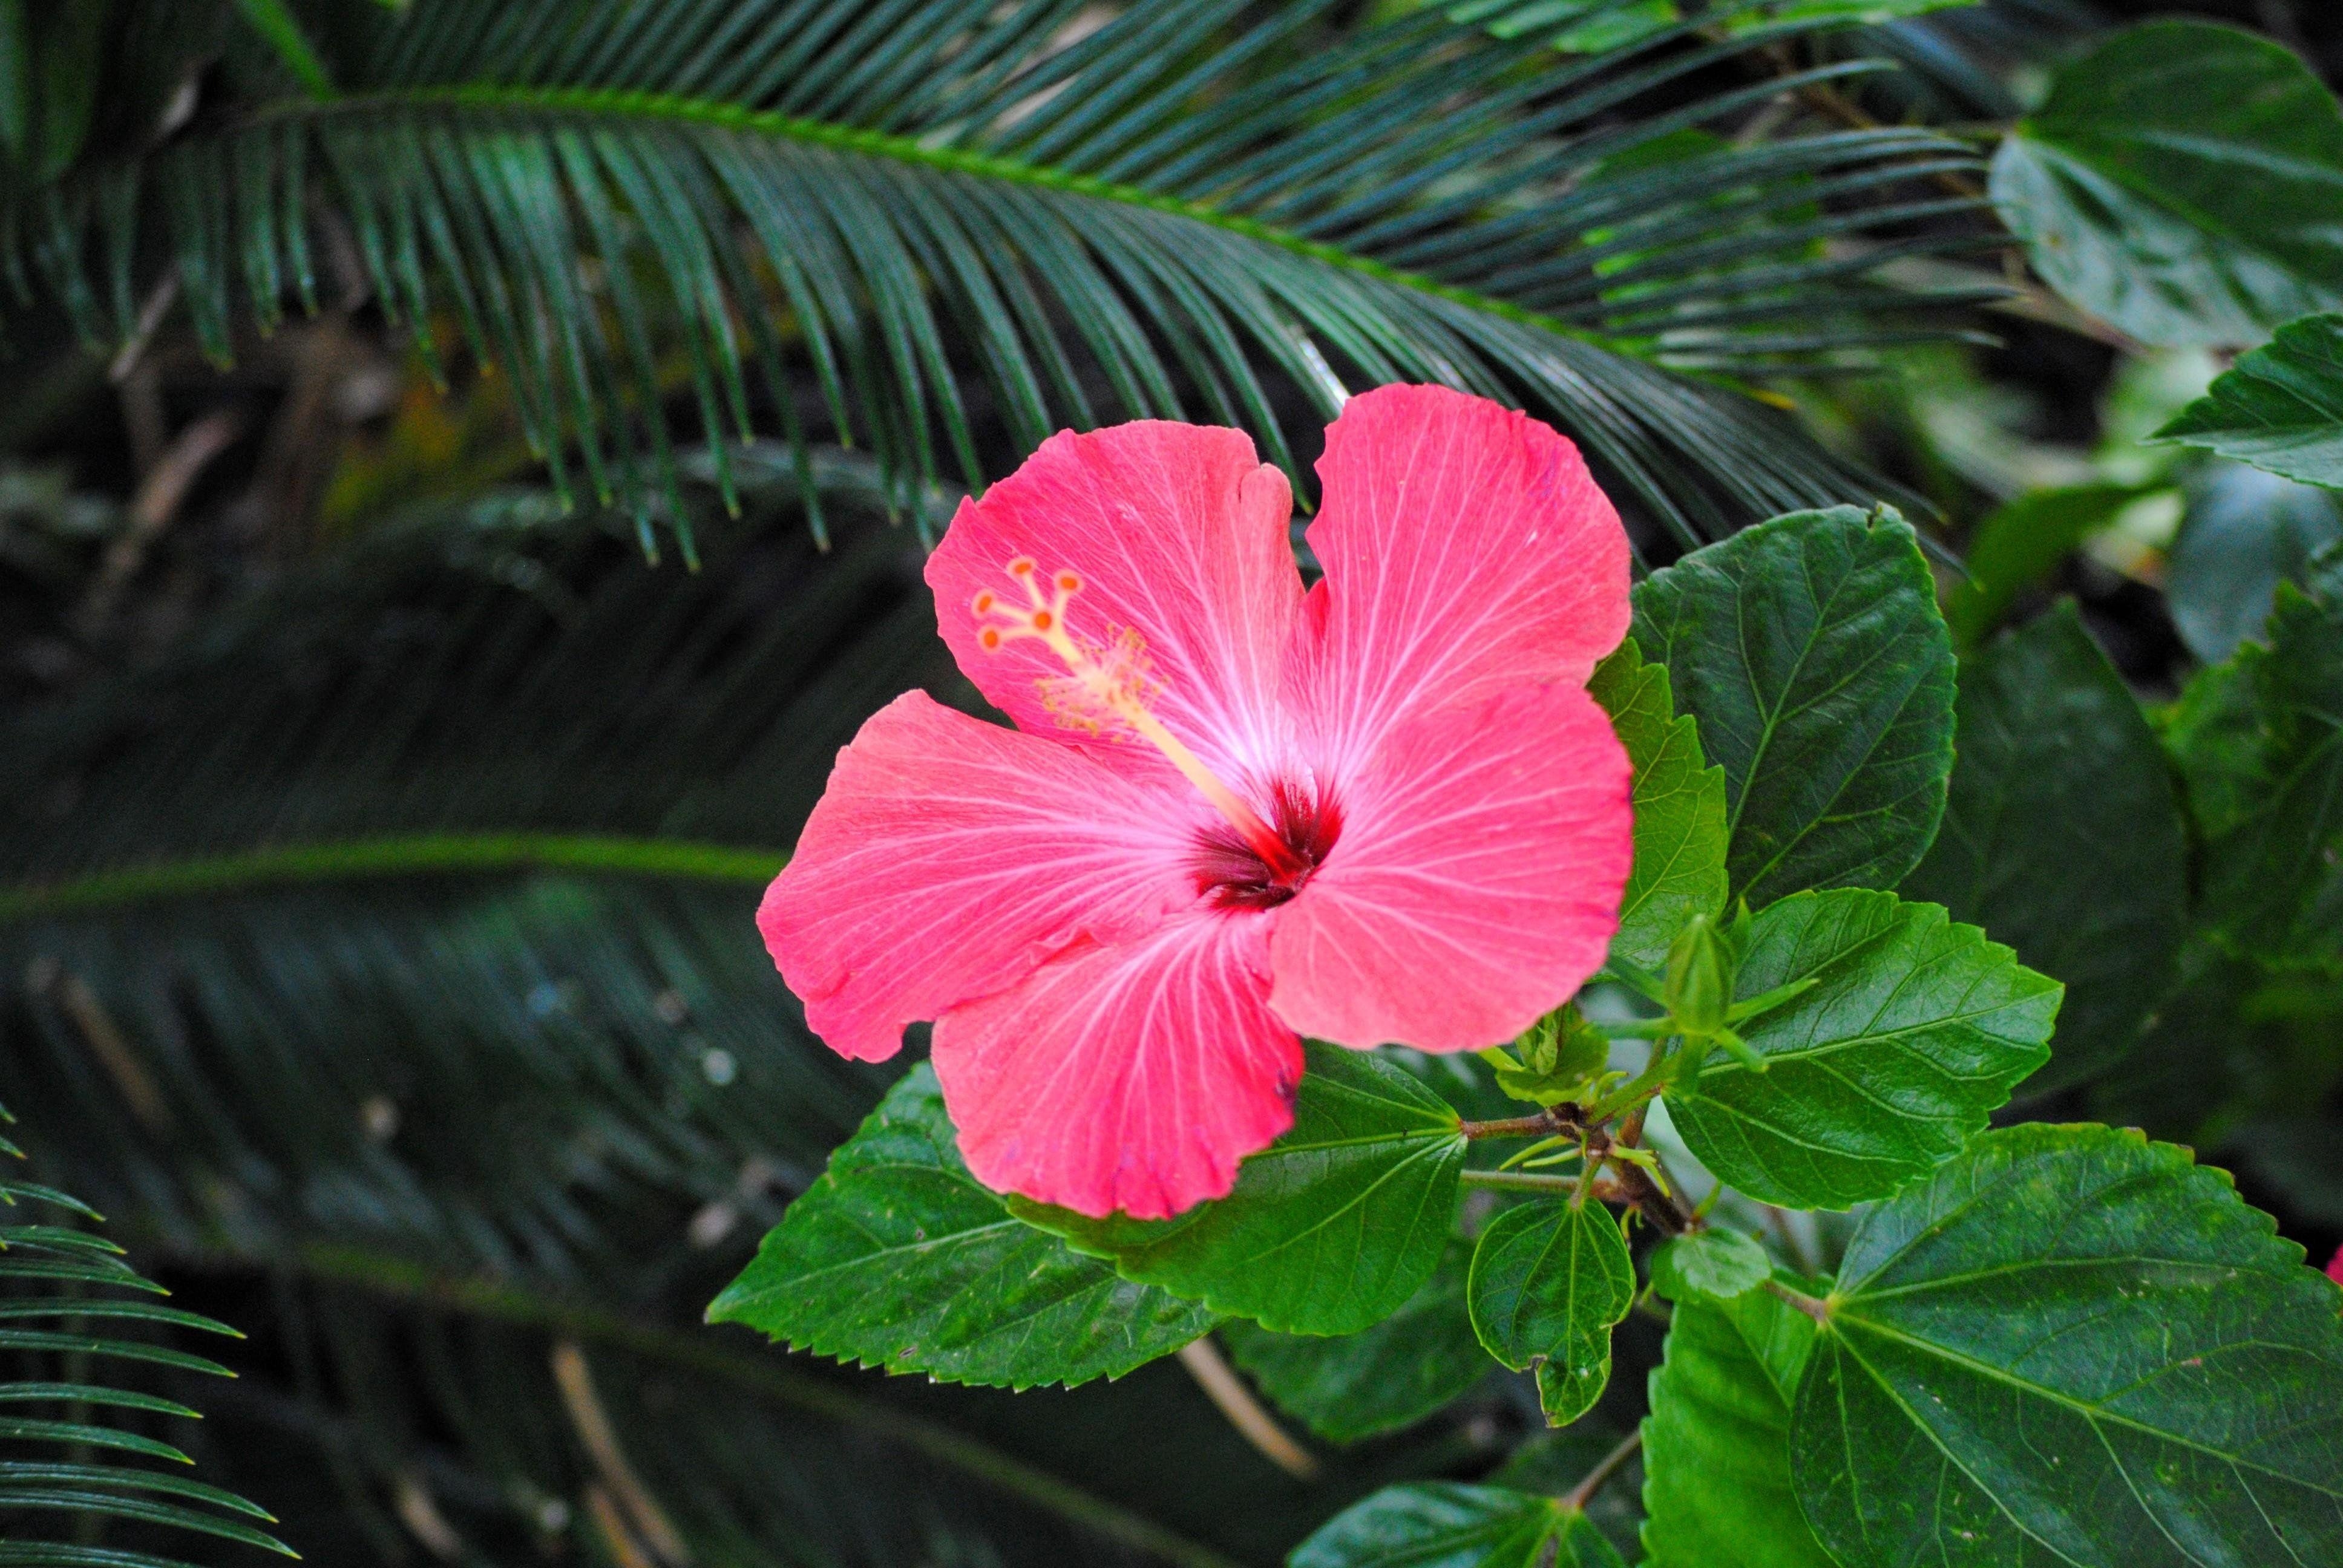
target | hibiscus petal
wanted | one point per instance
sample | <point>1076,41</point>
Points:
<point>1466,551</point>
<point>948,857</point>
<point>1476,882</point>
<point>1131,1076</point>
<point>1177,532</point>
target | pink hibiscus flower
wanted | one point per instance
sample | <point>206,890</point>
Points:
<point>1231,813</point>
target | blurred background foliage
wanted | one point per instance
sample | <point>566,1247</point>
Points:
<point>410,675</point>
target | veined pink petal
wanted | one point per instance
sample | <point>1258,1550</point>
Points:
<point>1177,532</point>
<point>1466,551</point>
<point>948,857</point>
<point>1476,884</point>
<point>1133,1076</point>
<point>2335,1266</point>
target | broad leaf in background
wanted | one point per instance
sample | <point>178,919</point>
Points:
<point>1811,651</point>
<point>898,1258</point>
<point>1446,1524</point>
<point>1680,834</point>
<point>1717,1491</point>
<point>1549,1281</point>
<point>2280,407</point>
<point>1715,1263</point>
<point>2020,543</point>
<point>2063,836</point>
<point>2246,532</point>
<point>1347,1387</point>
<point>1916,1031</point>
<point>2274,872</point>
<point>1329,1230</point>
<point>2183,181</point>
<point>2074,1344</point>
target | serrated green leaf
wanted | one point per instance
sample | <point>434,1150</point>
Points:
<point>1679,801</point>
<point>1916,1029</point>
<point>2063,836</point>
<point>2183,181</point>
<point>1811,651</point>
<point>1717,1491</point>
<point>1347,1387</point>
<point>1447,1525</point>
<point>1715,1264</point>
<point>2273,887</point>
<point>898,1258</point>
<point>2073,1345</point>
<point>1548,1283</point>
<point>1329,1230</point>
<point>2279,407</point>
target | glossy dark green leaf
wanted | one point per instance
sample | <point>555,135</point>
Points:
<point>896,1258</point>
<point>1329,1230</point>
<point>2183,182</point>
<point>2279,407</point>
<point>2063,836</point>
<point>2073,1345</point>
<point>2273,885</point>
<point>2246,531</point>
<point>1557,1461</point>
<point>1811,651</point>
<point>1548,1281</point>
<point>1715,1264</point>
<point>1916,1029</point>
<point>1679,799</point>
<point>1717,1491</point>
<point>1446,1524</point>
<point>1346,1387</point>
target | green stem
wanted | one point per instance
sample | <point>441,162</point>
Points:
<point>1518,1181</point>
<point>1813,1307</point>
<point>671,107</point>
<point>396,855</point>
<point>762,1374</point>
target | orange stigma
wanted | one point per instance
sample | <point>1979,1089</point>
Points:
<point>1107,690</point>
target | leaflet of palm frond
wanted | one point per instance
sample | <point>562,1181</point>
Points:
<point>79,1326</point>
<point>958,220</point>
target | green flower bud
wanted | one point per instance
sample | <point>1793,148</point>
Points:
<point>1698,992</point>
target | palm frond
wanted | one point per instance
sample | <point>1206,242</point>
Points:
<point>393,940</point>
<point>971,223</point>
<point>69,1306</point>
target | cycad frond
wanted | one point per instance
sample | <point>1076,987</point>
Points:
<point>69,1307</point>
<point>1167,214</point>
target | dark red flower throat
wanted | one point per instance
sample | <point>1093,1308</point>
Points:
<point>1231,874</point>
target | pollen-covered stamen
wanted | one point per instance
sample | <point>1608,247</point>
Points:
<point>1107,688</point>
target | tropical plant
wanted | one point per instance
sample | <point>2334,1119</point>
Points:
<point>382,821</point>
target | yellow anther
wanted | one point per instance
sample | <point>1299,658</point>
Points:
<point>1107,690</point>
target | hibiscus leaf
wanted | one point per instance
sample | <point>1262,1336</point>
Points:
<point>1717,1491</point>
<point>2185,182</point>
<point>1328,1231</point>
<point>1914,1030</point>
<point>1447,1525</point>
<point>896,1258</point>
<point>2073,1345</point>
<point>2279,407</point>
<point>1811,651</point>
<point>1679,801</point>
<point>1549,1281</point>
<point>2063,835</point>
<point>1347,1387</point>
<point>1715,1263</point>
<point>2274,878</point>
